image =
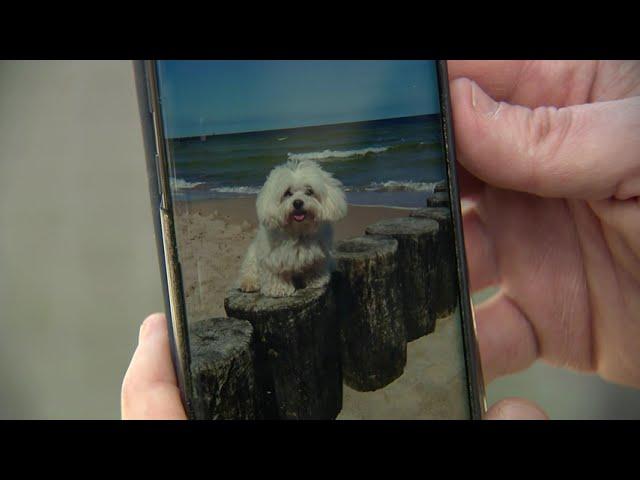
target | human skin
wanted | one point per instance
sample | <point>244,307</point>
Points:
<point>150,389</point>
<point>549,155</point>
<point>553,167</point>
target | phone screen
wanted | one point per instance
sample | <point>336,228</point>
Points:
<point>316,241</point>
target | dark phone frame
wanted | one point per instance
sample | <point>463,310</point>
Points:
<point>145,73</point>
<point>475,380</point>
<point>162,212</point>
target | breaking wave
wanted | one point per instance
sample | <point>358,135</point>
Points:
<point>333,154</point>
<point>180,184</point>
<point>242,189</point>
<point>395,186</point>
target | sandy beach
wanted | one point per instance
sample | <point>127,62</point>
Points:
<point>213,236</point>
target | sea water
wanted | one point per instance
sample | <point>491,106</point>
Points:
<point>391,162</point>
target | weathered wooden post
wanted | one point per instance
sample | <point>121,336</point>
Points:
<point>441,186</point>
<point>368,300</point>
<point>417,259</point>
<point>446,286</point>
<point>438,199</point>
<point>222,369</point>
<point>297,352</point>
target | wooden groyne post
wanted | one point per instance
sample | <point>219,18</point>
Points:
<point>446,278</point>
<point>369,306</point>
<point>439,199</point>
<point>417,259</point>
<point>297,354</point>
<point>222,369</point>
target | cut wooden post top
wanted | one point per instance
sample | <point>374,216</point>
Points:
<point>441,195</point>
<point>361,247</point>
<point>401,226</point>
<point>441,186</point>
<point>218,337</point>
<point>441,214</point>
<point>256,302</point>
<point>438,199</point>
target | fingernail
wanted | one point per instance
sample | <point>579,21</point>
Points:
<point>148,326</point>
<point>481,102</point>
<point>516,409</point>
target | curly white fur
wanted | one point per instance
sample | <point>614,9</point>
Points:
<point>292,248</point>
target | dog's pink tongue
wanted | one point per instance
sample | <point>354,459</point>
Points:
<point>299,218</point>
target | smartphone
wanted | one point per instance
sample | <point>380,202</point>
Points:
<point>308,227</point>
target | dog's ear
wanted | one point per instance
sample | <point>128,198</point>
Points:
<point>267,202</point>
<point>334,206</point>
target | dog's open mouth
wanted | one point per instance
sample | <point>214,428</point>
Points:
<point>299,216</point>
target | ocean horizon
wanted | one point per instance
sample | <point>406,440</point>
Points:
<point>392,161</point>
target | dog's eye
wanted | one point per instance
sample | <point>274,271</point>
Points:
<point>287,193</point>
<point>309,191</point>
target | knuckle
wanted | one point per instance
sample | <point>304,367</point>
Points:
<point>546,132</point>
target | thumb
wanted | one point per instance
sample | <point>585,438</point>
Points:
<point>515,409</point>
<point>589,151</point>
<point>150,389</point>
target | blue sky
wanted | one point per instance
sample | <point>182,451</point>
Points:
<point>203,97</point>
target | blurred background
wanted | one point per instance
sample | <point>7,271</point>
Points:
<point>78,265</point>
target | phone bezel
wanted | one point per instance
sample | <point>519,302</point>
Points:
<point>161,206</point>
<point>475,380</point>
<point>145,72</point>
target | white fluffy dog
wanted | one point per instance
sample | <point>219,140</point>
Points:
<point>292,249</point>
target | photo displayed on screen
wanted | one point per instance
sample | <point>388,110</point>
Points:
<point>314,234</point>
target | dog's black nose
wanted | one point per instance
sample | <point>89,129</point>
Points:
<point>298,204</point>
